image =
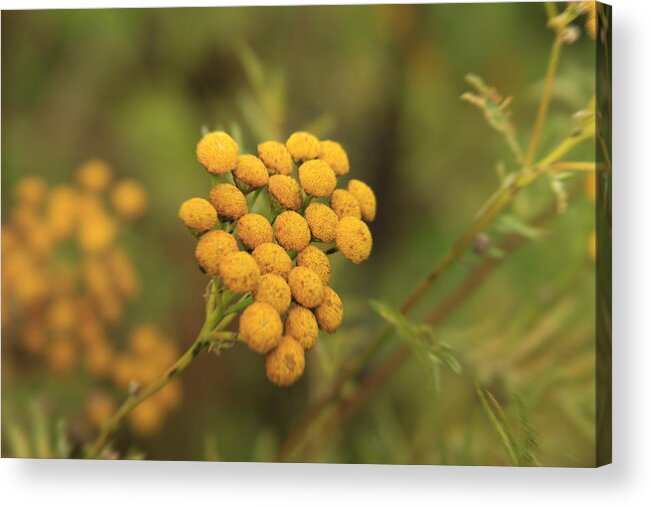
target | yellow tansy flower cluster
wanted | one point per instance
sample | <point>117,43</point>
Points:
<point>266,231</point>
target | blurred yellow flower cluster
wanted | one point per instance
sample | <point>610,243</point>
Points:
<point>279,254</point>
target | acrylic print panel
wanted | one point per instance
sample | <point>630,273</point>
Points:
<point>351,234</point>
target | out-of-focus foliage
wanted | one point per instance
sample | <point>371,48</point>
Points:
<point>136,86</point>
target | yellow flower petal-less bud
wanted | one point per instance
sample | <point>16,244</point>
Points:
<point>229,201</point>
<point>211,249</point>
<point>240,272</point>
<point>273,289</point>
<point>31,190</point>
<point>291,231</point>
<point>286,363</point>
<point>96,232</point>
<point>330,312</point>
<point>273,258</point>
<point>251,171</point>
<point>62,211</point>
<point>344,204</point>
<point>306,286</point>
<point>286,191</point>
<point>129,199</point>
<point>301,325</point>
<point>365,197</point>
<point>315,259</point>
<point>146,419</point>
<point>332,153</point>
<point>303,146</point>
<point>275,157</point>
<point>198,214</point>
<point>591,18</point>
<point>260,327</point>
<point>94,175</point>
<point>317,178</point>
<point>322,221</point>
<point>62,356</point>
<point>99,408</point>
<point>354,239</point>
<point>254,229</point>
<point>217,152</point>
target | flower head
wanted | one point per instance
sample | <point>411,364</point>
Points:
<point>285,191</point>
<point>345,204</point>
<point>31,190</point>
<point>286,363</point>
<point>129,199</point>
<point>301,325</point>
<point>211,249</point>
<point>291,231</point>
<point>273,258</point>
<point>317,178</point>
<point>303,146</point>
<point>254,229</point>
<point>260,327</point>
<point>365,197</point>
<point>240,272</point>
<point>322,222</point>
<point>273,289</point>
<point>315,259</point>
<point>354,239</point>
<point>198,214</point>
<point>147,418</point>
<point>306,286</point>
<point>229,201</point>
<point>276,157</point>
<point>217,152</point>
<point>251,171</point>
<point>332,153</point>
<point>330,312</point>
<point>94,175</point>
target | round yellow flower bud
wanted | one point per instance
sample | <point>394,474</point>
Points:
<point>590,8</point>
<point>129,199</point>
<point>365,197</point>
<point>317,178</point>
<point>211,249</point>
<point>303,146</point>
<point>345,204</point>
<point>285,191</point>
<point>330,312</point>
<point>240,272</point>
<point>254,229</point>
<point>332,153</point>
<point>198,214</point>
<point>99,408</point>
<point>301,325</point>
<point>260,327</point>
<point>31,190</point>
<point>276,157</point>
<point>229,202</point>
<point>286,363</point>
<point>354,239</point>
<point>217,152</point>
<point>291,231</point>
<point>147,418</point>
<point>322,222</point>
<point>62,211</point>
<point>251,171</point>
<point>94,175</point>
<point>315,259</point>
<point>306,286</point>
<point>273,258</point>
<point>273,289</point>
<point>97,232</point>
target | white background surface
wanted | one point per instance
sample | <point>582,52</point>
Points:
<point>625,483</point>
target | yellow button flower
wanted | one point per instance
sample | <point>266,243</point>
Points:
<point>365,197</point>
<point>322,221</point>
<point>254,229</point>
<point>332,153</point>
<point>286,363</point>
<point>301,325</point>
<point>31,190</point>
<point>129,199</point>
<point>198,214</point>
<point>240,272</point>
<point>94,175</point>
<point>317,178</point>
<point>276,157</point>
<point>229,201</point>
<point>303,146</point>
<point>211,249</point>
<point>330,312</point>
<point>354,239</point>
<point>292,231</point>
<point>285,191</point>
<point>306,286</point>
<point>251,171</point>
<point>344,204</point>
<point>260,327</point>
<point>315,259</point>
<point>217,152</point>
<point>273,289</point>
<point>273,258</point>
<point>147,418</point>
<point>99,408</point>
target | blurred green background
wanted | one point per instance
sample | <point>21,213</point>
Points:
<point>134,87</point>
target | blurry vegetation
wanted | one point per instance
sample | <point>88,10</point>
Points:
<point>513,319</point>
